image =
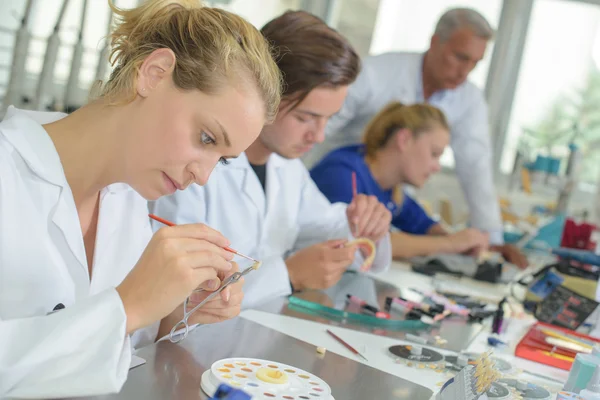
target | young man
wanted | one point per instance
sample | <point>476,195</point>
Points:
<point>438,77</point>
<point>265,201</point>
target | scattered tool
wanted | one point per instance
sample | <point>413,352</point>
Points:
<point>346,345</point>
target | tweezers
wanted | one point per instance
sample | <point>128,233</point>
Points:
<point>183,324</point>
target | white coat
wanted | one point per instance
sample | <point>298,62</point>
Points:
<point>82,349</point>
<point>293,214</point>
<point>397,77</point>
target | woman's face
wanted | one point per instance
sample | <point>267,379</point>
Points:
<point>181,135</point>
<point>421,155</point>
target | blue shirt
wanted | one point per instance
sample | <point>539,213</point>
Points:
<point>333,176</point>
<point>397,77</point>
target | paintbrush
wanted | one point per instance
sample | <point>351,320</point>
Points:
<point>229,249</point>
<point>346,345</point>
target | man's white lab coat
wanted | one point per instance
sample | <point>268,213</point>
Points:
<point>293,214</point>
<point>398,77</point>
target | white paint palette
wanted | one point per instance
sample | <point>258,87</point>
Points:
<point>265,380</point>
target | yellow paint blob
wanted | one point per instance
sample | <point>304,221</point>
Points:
<point>272,376</point>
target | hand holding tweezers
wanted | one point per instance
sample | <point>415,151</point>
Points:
<point>183,324</point>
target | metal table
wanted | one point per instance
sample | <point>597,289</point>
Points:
<point>458,333</point>
<point>174,371</point>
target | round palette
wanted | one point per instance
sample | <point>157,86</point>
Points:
<point>499,392</point>
<point>528,391</point>
<point>417,356</point>
<point>265,380</point>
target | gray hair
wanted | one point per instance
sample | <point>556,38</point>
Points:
<point>456,18</point>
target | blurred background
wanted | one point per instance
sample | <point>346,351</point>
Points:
<point>541,76</point>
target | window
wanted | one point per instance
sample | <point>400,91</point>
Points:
<point>260,12</point>
<point>45,14</point>
<point>558,85</point>
<point>407,25</point>
<point>356,19</point>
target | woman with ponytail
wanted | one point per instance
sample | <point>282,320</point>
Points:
<point>401,145</point>
<point>82,278</point>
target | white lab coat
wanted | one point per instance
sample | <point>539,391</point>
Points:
<point>397,77</point>
<point>82,349</point>
<point>292,215</point>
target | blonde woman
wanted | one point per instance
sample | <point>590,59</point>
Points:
<point>82,278</point>
<point>288,224</point>
<point>401,145</point>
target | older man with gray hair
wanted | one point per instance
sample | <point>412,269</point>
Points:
<point>439,77</point>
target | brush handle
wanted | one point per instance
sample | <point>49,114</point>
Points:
<point>229,249</point>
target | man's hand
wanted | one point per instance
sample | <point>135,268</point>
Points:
<point>468,241</point>
<point>368,218</point>
<point>512,254</point>
<point>225,306</point>
<point>321,265</point>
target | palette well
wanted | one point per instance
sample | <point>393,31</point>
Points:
<point>265,380</point>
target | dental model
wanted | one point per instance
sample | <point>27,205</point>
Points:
<point>367,244</point>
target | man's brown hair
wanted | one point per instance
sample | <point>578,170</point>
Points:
<point>310,54</point>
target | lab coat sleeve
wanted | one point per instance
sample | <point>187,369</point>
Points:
<point>82,350</point>
<point>471,144</point>
<point>319,221</point>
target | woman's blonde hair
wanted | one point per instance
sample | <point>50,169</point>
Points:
<point>417,118</point>
<point>211,46</point>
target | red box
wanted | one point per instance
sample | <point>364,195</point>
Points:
<point>577,236</point>
<point>527,347</point>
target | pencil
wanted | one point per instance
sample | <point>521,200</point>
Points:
<point>229,249</point>
<point>346,345</point>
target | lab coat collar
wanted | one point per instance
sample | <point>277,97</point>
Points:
<point>24,131</point>
<point>242,162</point>
<point>420,97</point>
<point>251,185</point>
<point>32,142</point>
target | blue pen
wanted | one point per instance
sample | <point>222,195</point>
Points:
<point>493,341</point>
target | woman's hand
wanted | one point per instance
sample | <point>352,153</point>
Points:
<point>223,307</point>
<point>177,260</point>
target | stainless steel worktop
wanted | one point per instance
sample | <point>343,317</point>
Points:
<point>173,371</point>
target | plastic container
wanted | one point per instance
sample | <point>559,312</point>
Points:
<point>592,390</point>
<point>582,370</point>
